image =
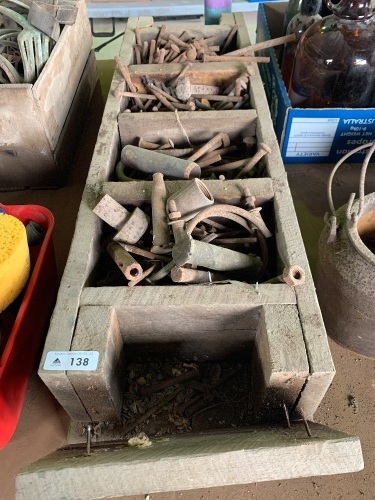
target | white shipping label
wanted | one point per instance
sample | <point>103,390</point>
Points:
<point>311,137</point>
<point>71,360</point>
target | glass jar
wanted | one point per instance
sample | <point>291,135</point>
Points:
<point>335,59</point>
<point>307,16</point>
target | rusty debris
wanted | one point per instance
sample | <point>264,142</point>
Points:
<point>168,396</point>
<point>182,93</point>
<point>201,242</point>
<point>220,156</point>
<point>167,47</point>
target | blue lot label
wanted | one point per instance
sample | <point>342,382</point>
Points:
<point>71,360</point>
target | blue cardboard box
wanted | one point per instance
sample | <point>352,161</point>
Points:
<point>307,135</point>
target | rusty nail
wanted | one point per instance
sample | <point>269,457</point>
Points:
<point>161,33</point>
<point>120,93</point>
<point>203,163</point>
<point>142,143</point>
<point>161,98</point>
<point>144,50</point>
<point>185,89</point>
<point>191,53</point>
<point>162,54</point>
<point>305,423</point>
<point>286,412</point>
<point>182,73</point>
<point>126,75</point>
<point>216,140</point>
<point>177,41</point>
<point>221,98</point>
<point>138,53</point>
<point>238,87</point>
<point>263,150</point>
<point>169,97</point>
<point>143,253</point>
<point>274,42</point>
<point>229,58</point>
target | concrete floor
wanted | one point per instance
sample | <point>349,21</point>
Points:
<point>43,424</point>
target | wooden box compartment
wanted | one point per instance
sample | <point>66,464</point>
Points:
<point>216,74</point>
<point>149,33</point>
<point>194,129</point>
<point>276,332</point>
<point>40,122</point>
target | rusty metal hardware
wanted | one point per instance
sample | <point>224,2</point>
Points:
<point>160,230</point>
<point>197,253</point>
<point>191,198</point>
<point>130,226</point>
<point>151,162</point>
<point>129,267</point>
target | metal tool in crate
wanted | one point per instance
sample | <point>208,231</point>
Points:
<point>40,23</point>
<point>346,266</point>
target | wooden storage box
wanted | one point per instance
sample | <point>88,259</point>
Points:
<point>277,331</point>
<point>40,123</point>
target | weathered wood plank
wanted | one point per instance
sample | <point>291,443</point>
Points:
<point>241,294</point>
<point>82,256</point>
<point>22,138</point>
<point>107,146</point>
<point>220,74</point>
<point>70,133</point>
<point>55,88</point>
<point>192,461</point>
<point>199,322</point>
<point>100,390</point>
<point>291,249</point>
<point>280,365</point>
<point>199,127</point>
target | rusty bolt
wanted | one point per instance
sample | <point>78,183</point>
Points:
<point>263,150</point>
<point>184,89</point>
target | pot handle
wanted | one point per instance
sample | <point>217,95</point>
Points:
<point>349,213</point>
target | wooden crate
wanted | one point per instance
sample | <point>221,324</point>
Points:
<point>40,122</point>
<point>279,328</point>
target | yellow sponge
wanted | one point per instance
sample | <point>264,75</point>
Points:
<point>14,259</point>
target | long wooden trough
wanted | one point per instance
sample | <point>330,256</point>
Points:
<point>274,331</point>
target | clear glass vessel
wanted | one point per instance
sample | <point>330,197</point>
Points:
<point>335,59</point>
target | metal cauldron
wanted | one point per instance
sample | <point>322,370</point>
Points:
<point>345,280</point>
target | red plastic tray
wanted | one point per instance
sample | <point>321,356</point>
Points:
<point>28,324</point>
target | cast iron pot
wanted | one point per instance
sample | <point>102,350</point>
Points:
<point>345,279</point>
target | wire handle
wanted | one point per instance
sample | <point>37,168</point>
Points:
<point>349,213</point>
